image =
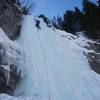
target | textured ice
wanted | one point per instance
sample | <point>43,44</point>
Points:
<point>12,54</point>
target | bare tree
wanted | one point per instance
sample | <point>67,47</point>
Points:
<point>28,6</point>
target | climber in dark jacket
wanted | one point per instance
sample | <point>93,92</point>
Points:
<point>38,24</point>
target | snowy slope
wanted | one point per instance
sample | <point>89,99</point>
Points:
<point>57,68</point>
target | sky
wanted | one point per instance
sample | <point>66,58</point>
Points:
<point>53,7</point>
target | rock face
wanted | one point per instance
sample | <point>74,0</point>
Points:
<point>11,56</point>
<point>12,61</point>
<point>94,58</point>
<point>8,86</point>
<point>10,18</point>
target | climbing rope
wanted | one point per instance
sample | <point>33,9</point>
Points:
<point>49,94</point>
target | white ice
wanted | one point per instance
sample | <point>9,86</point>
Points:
<point>9,53</point>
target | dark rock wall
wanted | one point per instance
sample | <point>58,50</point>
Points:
<point>10,18</point>
<point>94,58</point>
<point>10,22</point>
<point>14,78</point>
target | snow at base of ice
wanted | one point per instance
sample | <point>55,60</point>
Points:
<point>57,68</point>
<point>7,97</point>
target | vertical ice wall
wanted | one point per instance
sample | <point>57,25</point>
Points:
<point>55,70</point>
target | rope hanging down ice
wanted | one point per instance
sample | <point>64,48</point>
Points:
<point>46,67</point>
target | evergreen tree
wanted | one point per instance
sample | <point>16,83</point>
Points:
<point>69,21</point>
<point>45,19</point>
<point>78,20</point>
<point>91,18</point>
<point>59,22</point>
<point>87,20</point>
<point>54,22</point>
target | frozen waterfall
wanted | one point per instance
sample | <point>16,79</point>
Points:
<point>56,66</point>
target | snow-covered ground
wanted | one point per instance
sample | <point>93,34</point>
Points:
<point>57,69</point>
